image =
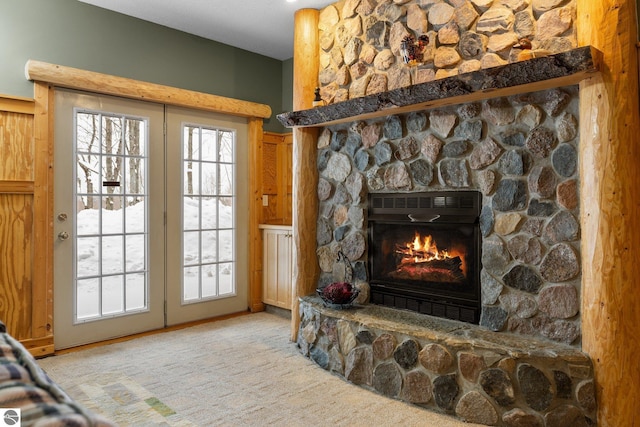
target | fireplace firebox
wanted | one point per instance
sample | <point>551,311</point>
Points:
<point>424,252</point>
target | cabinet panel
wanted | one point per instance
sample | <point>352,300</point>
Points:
<point>276,172</point>
<point>16,140</point>
<point>270,212</point>
<point>16,232</point>
<point>277,266</point>
<point>270,265</point>
<point>284,271</point>
<point>269,168</point>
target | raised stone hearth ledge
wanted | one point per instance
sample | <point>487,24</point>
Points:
<point>451,367</point>
<point>562,69</point>
<point>458,334</point>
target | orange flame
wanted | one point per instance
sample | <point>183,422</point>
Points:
<point>424,249</point>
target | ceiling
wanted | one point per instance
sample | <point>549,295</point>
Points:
<point>260,26</point>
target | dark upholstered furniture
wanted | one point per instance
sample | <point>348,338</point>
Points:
<point>24,385</point>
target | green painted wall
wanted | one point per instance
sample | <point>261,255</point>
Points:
<point>287,85</point>
<point>75,34</point>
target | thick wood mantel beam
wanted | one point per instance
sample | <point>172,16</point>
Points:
<point>610,201</point>
<point>536,74</point>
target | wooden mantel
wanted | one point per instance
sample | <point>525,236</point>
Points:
<point>561,69</point>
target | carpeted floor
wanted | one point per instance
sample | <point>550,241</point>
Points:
<point>242,371</point>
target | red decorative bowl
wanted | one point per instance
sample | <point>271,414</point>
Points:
<point>338,294</point>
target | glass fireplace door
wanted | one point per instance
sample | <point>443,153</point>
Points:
<point>424,253</point>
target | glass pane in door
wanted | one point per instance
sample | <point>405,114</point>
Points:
<point>110,273</point>
<point>208,211</point>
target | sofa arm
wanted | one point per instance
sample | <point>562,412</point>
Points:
<point>24,385</point>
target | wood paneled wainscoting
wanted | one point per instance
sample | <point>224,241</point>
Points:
<point>25,206</point>
<point>277,178</point>
<point>272,167</point>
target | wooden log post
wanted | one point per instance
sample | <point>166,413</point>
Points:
<point>305,172</point>
<point>610,201</point>
<point>255,214</point>
<point>42,291</point>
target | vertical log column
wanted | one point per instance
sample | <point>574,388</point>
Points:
<point>610,198</point>
<point>305,172</point>
<point>42,301</point>
<point>255,214</point>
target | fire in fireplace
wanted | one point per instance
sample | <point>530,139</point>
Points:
<point>424,252</point>
<point>422,260</point>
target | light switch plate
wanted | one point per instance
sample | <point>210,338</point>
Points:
<point>265,200</point>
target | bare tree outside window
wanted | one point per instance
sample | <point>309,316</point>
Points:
<point>112,139</point>
<point>106,145</point>
<point>189,156</point>
<point>226,168</point>
<point>133,141</point>
<point>87,140</point>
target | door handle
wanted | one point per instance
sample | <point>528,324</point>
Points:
<point>63,235</point>
<point>423,219</point>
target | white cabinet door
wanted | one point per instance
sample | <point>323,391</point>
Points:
<point>277,266</point>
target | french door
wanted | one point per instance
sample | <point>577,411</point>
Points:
<point>145,218</point>
<point>207,212</point>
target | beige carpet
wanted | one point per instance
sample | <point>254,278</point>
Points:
<point>242,371</point>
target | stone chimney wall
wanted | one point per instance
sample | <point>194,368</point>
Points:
<point>360,39</point>
<point>520,152</point>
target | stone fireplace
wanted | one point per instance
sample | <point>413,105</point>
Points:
<point>474,117</point>
<point>523,363</point>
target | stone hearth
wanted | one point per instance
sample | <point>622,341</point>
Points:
<point>451,367</point>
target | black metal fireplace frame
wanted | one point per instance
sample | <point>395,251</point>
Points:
<point>445,210</point>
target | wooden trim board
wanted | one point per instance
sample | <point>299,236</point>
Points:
<point>73,78</point>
